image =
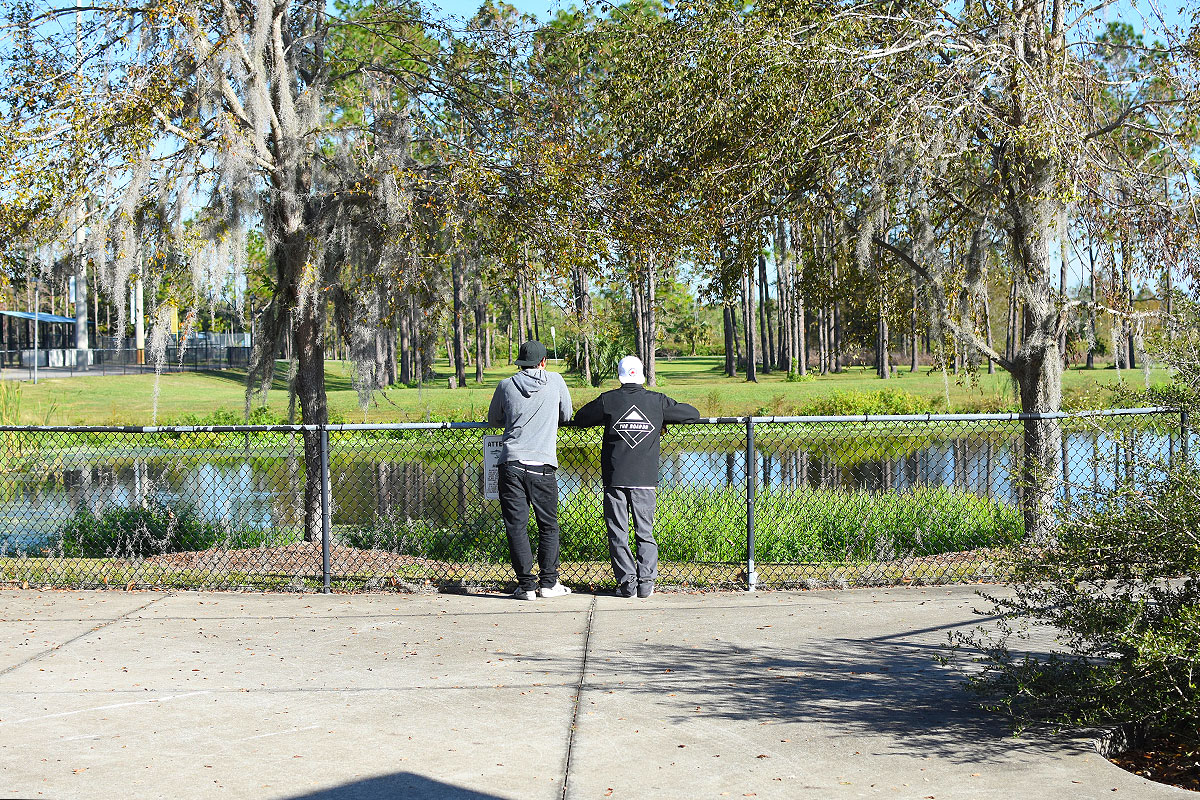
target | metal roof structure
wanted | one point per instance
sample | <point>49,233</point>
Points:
<point>40,317</point>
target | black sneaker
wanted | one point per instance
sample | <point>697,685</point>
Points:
<point>645,590</point>
<point>624,591</point>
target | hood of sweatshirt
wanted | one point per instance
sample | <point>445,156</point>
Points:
<point>530,381</point>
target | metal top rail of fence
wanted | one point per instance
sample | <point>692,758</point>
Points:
<point>1012,416</point>
<point>749,502</point>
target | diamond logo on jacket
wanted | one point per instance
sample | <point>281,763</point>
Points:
<point>633,426</point>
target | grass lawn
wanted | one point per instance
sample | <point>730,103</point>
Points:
<point>117,400</point>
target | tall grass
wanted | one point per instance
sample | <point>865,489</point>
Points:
<point>692,524</point>
<point>10,403</point>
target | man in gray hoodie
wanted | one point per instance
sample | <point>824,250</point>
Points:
<point>530,406</point>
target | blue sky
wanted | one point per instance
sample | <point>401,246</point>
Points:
<point>1138,13</point>
<point>542,9</point>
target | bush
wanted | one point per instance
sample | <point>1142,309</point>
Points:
<point>259,415</point>
<point>1121,584</point>
<point>138,533</point>
<point>852,403</point>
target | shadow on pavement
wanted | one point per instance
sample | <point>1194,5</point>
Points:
<point>406,785</point>
<point>897,694</point>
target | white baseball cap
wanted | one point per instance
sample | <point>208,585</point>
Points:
<point>629,370</point>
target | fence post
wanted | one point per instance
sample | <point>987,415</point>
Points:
<point>326,502</point>
<point>751,481</point>
<point>1183,435</point>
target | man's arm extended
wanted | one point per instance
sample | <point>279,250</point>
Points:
<point>678,412</point>
<point>564,401</point>
<point>591,414</point>
<point>496,410</point>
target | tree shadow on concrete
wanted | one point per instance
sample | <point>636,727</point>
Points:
<point>406,785</point>
<point>894,691</point>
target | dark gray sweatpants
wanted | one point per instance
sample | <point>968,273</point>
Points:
<point>619,503</point>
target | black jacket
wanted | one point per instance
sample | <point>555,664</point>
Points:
<point>633,421</point>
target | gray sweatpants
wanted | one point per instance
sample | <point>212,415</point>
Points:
<point>619,502</point>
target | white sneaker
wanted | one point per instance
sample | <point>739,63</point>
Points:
<point>523,594</point>
<point>557,590</point>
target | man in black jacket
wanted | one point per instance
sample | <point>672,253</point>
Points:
<point>633,421</point>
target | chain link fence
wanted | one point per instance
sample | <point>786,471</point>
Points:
<point>743,502</point>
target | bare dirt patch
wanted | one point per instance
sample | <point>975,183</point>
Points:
<point>1165,759</point>
<point>300,558</point>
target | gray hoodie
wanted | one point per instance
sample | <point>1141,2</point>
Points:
<point>530,405</point>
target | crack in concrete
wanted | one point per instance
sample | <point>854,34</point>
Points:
<point>583,663</point>
<point>73,639</point>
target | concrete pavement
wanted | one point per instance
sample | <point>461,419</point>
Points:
<point>829,694</point>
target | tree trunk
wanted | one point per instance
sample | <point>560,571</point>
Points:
<point>582,311</point>
<point>406,371</point>
<point>799,323</point>
<point>801,337</point>
<point>727,326</point>
<point>1062,289</point>
<point>414,332</point>
<point>1010,341</point>
<point>97,267</point>
<point>310,392</point>
<point>748,321</point>
<point>1091,319</point>
<point>764,316</point>
<point>535,308</point>
<point>522,312</point>
<point>836,350</point>
<point>1168,303</point>
<point>987,326</point>
<point>1039,381</point>
<point>1127,292</point>
<point>822,342</point>
<point>637,315</point>
<point>783,304</point>
<point>650,329</point>
<point>458,355</point>
<point>1037,365</point>
<point>830,363</point>
<point>381,358</point>
<point>885,362</point>
<point>490,346</point>
<point>393,373</point>
<point>480,329</point>
<point>912,323</point>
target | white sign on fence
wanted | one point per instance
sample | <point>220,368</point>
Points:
<point>491,467</point>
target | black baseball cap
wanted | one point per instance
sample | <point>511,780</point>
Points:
<point>532,353</point>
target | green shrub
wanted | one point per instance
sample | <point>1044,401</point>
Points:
<point>852,403</point>
<point>139,533</point>
<point>259,415</point>
<point>1121,584</point>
